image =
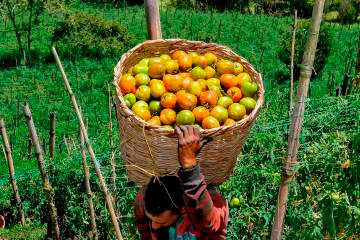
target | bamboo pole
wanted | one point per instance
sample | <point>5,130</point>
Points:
<point>297,120</point>
<point>45,179</point>
<point>88,188</point>
<point>292,62</point>
<point>153,19</point>
<point>95,162</point>
<point>8,157</point>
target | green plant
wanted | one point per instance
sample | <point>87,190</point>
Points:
<point>347,11</point>
<point>284,52</point>
<point>85,35</point>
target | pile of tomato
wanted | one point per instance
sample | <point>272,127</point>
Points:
<point>188,88</point>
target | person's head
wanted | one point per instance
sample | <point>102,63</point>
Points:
<point>163,201</point>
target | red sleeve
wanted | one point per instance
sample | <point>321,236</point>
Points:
<point>142,221</point>
<point>207,209</point>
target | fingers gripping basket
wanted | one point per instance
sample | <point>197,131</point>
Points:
<point>149,150</point>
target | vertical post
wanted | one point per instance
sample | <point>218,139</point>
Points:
<point>153,19</point>
<point>8,157</point>
<point>292,62</point>
<point>45,179</point>
<point>95,162</point>
<point>88,188</point>
<point>297,120</point>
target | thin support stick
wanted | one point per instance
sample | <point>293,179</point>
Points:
<point>88,188</point>
<point>8,157</point>
<point>95,162</point>
<point>45,179</point>
<point>292,63</point>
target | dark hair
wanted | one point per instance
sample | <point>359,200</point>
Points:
<point>164,194</point>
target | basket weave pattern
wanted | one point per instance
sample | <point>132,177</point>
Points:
<point>150,150</point>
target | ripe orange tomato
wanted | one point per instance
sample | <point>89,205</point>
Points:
<point>225,66</point>
<point>235,94</point>
<point>184,74</point>
<point>200,113</point>
<point>172,83</point>
<point>210,122</point>
<point>168,100</point>
<point>187,101</point>
<point>155,120</point>
<point>228,80</point>
<point>185,62</point>
<point>157,70</point>
<point>178,93</point>
<point>167,116</point>
<point>127,83</point>
<point>186,82</point>
<point>208,97</point>
<point>177,54</point>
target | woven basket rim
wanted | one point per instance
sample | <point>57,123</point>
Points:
<point>120,100</point>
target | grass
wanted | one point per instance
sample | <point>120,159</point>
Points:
<point>19,232</point>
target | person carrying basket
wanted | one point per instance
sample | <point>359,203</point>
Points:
<point>183,206</point>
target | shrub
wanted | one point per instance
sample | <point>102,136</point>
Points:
<point>84,35</point>
<point>323,48</point>
<point>347,12</point>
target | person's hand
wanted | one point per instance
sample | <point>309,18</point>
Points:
<point>189,145</point>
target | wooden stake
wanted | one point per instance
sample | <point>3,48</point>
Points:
<point>45,179</point>
<point>292,63</point>
<point>153,19</point>
<point>297,120</point>
<point>96,164</point>
<point>8,157</point>
<point>88,188</point>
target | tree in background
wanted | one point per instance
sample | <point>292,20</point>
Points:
<point>23,14</point>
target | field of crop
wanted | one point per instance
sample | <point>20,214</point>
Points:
<point>330,140</point>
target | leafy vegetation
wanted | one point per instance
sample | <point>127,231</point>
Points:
<point>324,197</point>
<point>84,35</point>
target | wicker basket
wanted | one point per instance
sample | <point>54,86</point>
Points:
<point>149,150</point>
